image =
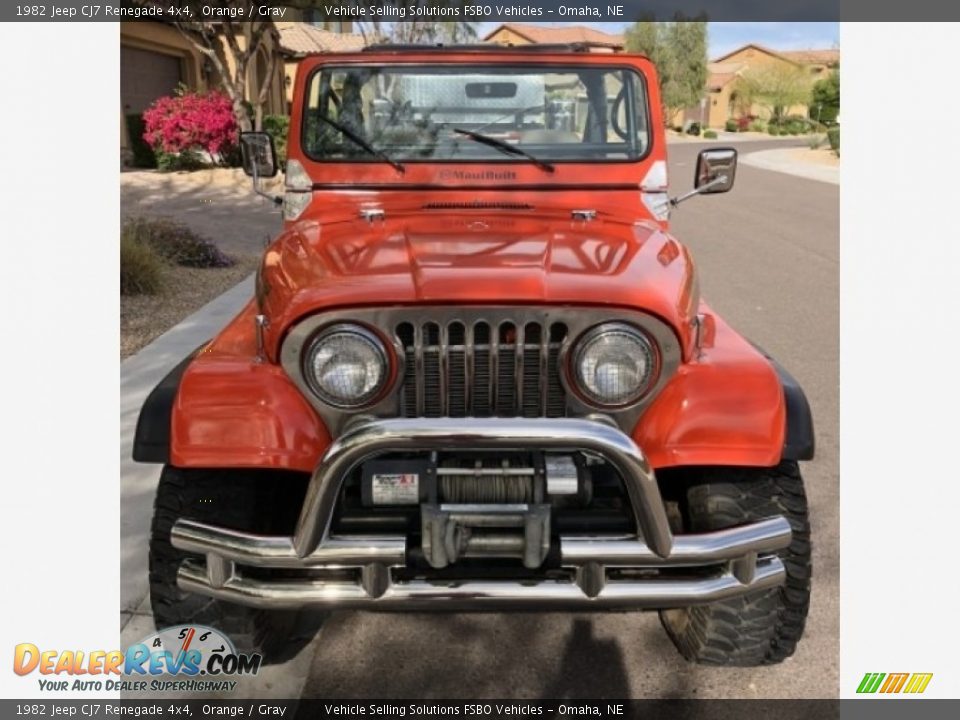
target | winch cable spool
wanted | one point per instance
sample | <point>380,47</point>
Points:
<point>486,484</point>
<point>486,489</point>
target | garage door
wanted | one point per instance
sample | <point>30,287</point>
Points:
<point>145,76</point>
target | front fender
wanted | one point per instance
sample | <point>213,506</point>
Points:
<point>243,413</point>
<point>732,406</point>
<point>224,408</point>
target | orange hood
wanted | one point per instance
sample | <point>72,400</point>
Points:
<point>475,256</point>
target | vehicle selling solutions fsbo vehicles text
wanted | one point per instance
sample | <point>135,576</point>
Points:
<point>401,12</point>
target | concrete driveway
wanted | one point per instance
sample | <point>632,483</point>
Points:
<point>768,259</point>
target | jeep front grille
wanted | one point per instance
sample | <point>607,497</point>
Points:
<point>502,368</point>
<point>478,361</point>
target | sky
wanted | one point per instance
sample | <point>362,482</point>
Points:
<point>726,36</point>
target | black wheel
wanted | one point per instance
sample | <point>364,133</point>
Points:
<point>762,628</point>
<point>233,499</point>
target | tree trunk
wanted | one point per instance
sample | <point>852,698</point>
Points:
<point>262,94</point>
<point>216,41</point>
<point>241,114</point>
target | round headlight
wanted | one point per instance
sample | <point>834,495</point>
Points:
<point>346,365</point>
<point>614,364</point>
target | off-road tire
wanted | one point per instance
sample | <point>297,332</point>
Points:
<point>762,628</point>
<point>231,499</point>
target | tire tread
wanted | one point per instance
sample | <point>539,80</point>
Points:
<point>762,628</point>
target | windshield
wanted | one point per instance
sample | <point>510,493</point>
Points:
<point>409,113</point>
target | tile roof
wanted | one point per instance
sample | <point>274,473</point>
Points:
<point>719,75</point>
<point>565,34</point>
<point>798,57</point>
<point>305,39</point>
<point>813,57</point>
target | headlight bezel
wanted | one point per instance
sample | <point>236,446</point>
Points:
<point>590,335</point>
<point>366,334</point>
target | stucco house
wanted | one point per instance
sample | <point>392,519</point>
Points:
<point>721,93</point>
<point>156,58</point>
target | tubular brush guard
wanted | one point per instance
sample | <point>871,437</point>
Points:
<point>729,562</point>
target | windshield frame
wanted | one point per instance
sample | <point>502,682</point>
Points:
<point>641,84</point>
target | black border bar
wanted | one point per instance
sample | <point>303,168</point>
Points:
<point>503,11</point>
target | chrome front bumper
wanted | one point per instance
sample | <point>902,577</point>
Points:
<point>730,562</point>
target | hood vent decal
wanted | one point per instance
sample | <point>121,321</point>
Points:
<point>478,205</point>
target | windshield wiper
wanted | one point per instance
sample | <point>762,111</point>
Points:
<point>505,147</point>
<point>350,135</point>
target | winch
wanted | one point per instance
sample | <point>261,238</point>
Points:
<point>480,505</point>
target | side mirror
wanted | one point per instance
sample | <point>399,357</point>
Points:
<point>258,154</point>
<point>716,170</point>
<point>259,158</point>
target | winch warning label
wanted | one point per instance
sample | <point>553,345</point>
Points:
<point>395,488</point>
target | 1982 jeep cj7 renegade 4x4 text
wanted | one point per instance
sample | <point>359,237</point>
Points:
<point>478,374</point>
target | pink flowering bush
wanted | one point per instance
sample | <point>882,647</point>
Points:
<point>190,121</point>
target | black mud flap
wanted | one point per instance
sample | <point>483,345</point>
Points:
<point>798,441</point>
<point>151,443</point>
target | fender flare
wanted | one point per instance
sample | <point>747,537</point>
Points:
<point>151,441</point>
<point>798,439</point>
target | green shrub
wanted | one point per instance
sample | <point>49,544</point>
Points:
<point>175,242</point>
<point>143,155</point>
<point>833,136</point>
<point>796,128</point>
<point>278,126</point>
<point>141,269</point>
<point>731,126</point>
<point>186,160</point>
<point>710,134</point>
<point>758,126</point>
<point>773,130</point>
<point>826,94</point>
<point>232,157</point>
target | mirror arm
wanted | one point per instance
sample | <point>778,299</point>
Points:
<point>719,180</point>
<point>275,199</point>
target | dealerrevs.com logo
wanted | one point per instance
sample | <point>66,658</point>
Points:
<point>186,658</point>
<point>894,683</point>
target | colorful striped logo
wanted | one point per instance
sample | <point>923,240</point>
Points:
<point>913,683</point>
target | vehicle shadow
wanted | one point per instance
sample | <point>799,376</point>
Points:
<point>521,655</point>
<point>591,666</point>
